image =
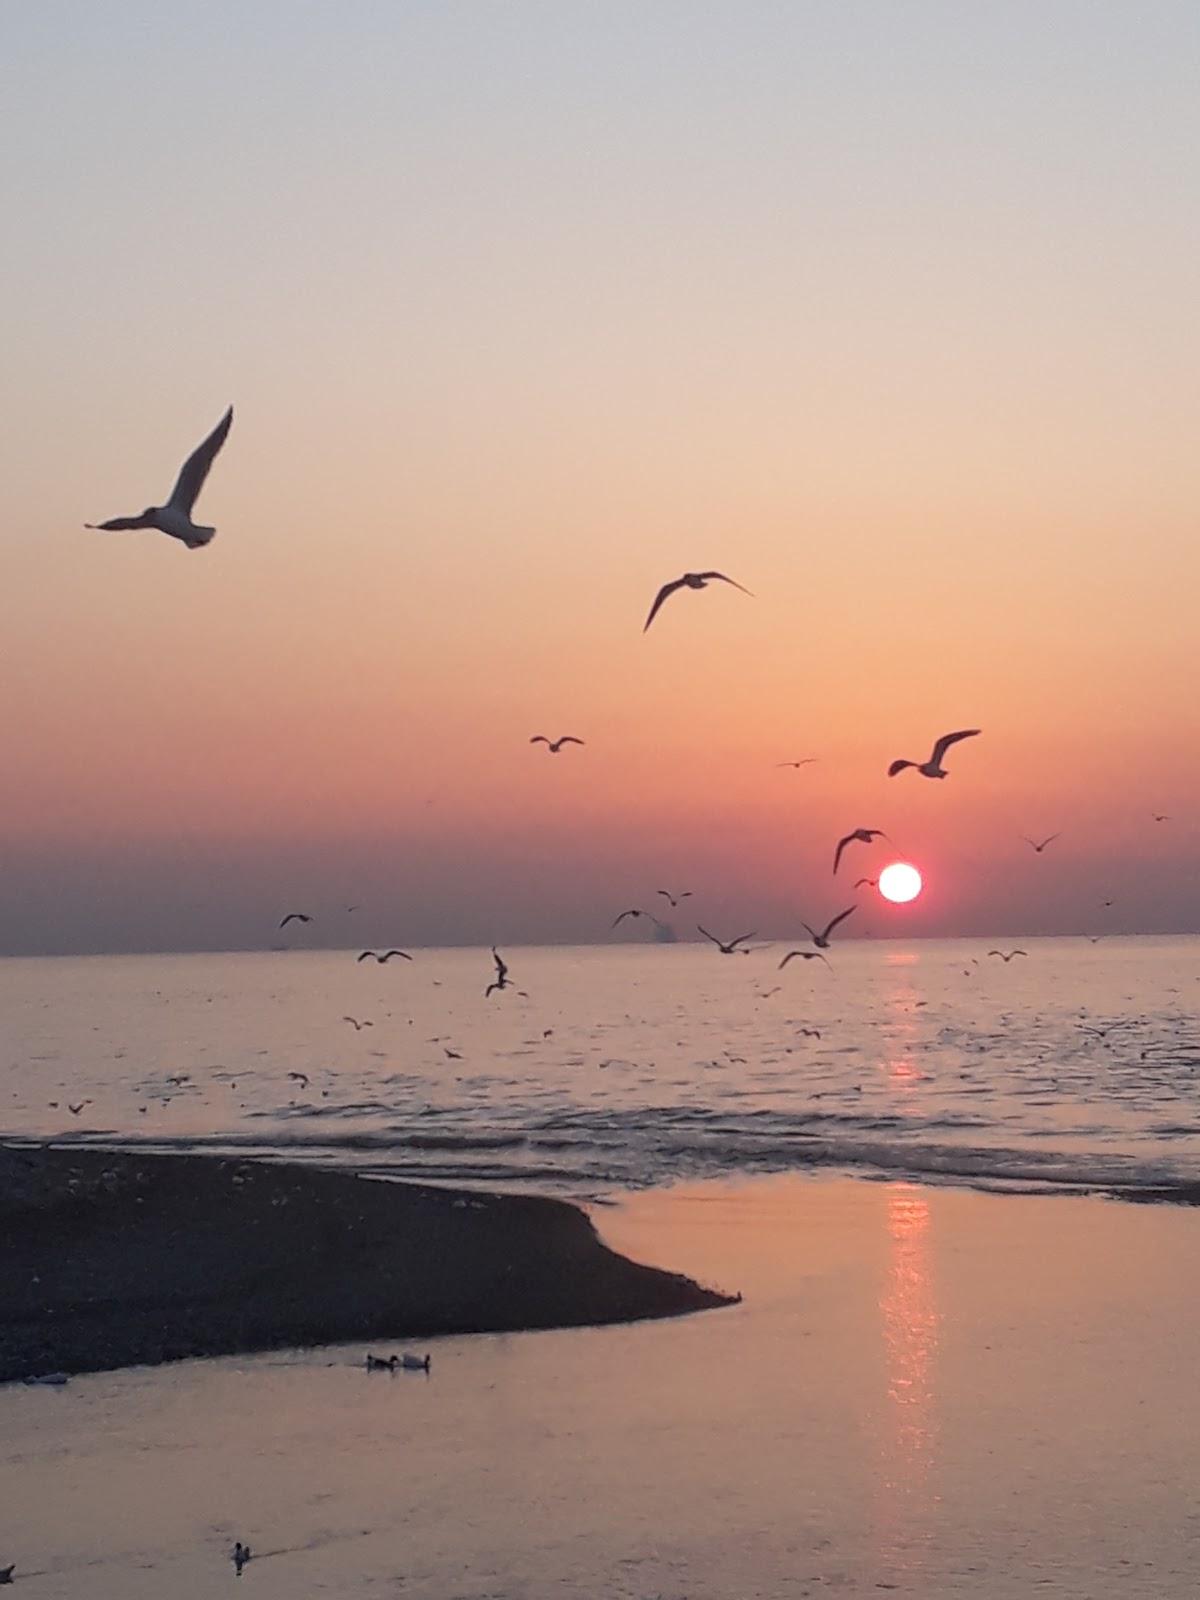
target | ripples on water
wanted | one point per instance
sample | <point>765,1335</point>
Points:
<point>629,1066</point>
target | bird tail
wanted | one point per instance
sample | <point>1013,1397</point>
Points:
<point>199,537</point>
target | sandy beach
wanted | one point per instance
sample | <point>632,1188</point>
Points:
<point>926,1391</point>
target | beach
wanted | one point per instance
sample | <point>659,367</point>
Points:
<point>925,1391</point>
<point>112,1259</point>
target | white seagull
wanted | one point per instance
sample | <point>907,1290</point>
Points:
<point>933,767</point>
<point>690,580</point>
<point>175,517</point>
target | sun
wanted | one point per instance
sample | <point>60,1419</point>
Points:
<point>899,882</point>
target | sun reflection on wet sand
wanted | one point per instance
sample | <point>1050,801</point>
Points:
<point>908,1436</point>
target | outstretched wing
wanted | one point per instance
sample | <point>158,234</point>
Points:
<point>724,579</point>
<point>841,917</point>
<point>741,939</point>
<point>403,954</point>
<point>837,856</point>
<point>707,935</point>
<point>569,738</point>
<point>947,739</point>
<point>195,469</point>
<point>119,524</point>
<point>365,955</point>
<point>899,766</point>
<point>539,738</point>
<point>667,590</point>
<point>791,956</point>
<point>622,917</point>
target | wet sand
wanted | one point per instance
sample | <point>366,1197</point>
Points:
<point>926,1393</point>
<point>115,1259</point>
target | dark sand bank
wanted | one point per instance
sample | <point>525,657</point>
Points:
<point>110,1259</point>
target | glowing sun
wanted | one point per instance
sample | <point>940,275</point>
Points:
<point>899,882</point>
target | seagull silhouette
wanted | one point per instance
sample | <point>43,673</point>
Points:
<point>175,517</point>
<point>683,894</point>
<point>1035,846</point>
<point>299,1077</point>
<point>384,958</point>
<point>933,767</point>
<point>859,836</point>
<point>501,979</point>
<point>555,745</point>
<point>690,580</point>
<point>871,883</point>
<point>730,949</point>
<point>805,955</point>
<point>634,912</point>
<point>807,762</point>
<point>1159,816</point>
<point>1006,956</point>
<point>821,940</point>
<point>294,916</point>
<point>358,1027</point>
<point>75,1110</point>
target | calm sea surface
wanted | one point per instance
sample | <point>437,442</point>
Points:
<point>1077,1065</point>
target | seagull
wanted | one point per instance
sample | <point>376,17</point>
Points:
<point>501,979</point>
<point>241,1554</point>
<point>805,955</point>
<point>933,767</point>
<point>452,1055</point>
<point>821,940</point>
<point>175,517</point>
<point>1159,816</point>
<point>1006,956</point>
<point>1035,846</point>
<point>871,883</point>
<point>859,836</point>
<point>690,580</point>
<point>810,1033</point>
<point>75,1110</point>
<point>358,1028</point>
<point>294,916</point>
<point>807,762</point>
<point>384,958</point>
<point>684,894</point>
<point>730,949</point>
<point>634,912</point>
<point>555,745</point>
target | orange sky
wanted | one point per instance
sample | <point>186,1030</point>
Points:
<point>521,320</point>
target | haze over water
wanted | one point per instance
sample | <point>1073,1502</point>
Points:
<point>632,1066</point>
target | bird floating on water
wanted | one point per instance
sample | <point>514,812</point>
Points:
<point>933,767</point>
<point>555,745</point>
<point>295,916</point>
<point>859,836</point>
<point>730,949</point>
<point>1035,846</point>
<point>241,1554</point>
<point>821,940</point>
<point>175,518</point>
<point>690,580</point>
<point>383,958</point>
<point>1007,955</point>
<point>411,1363</point>
<point>382,1363</point>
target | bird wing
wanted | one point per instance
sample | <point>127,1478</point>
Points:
<point>707,935</point>
<point>118,524</point>
<point>870,882</point>
<point>401,953</point>
<point>899,766</point>
<point>667,590</point>
<point>947,739</point>
<point>791,956</point>
<point>810,931</point>
<point>569,738</point>
<point>841,917</point>
<point>724,579</point>
<point>622,917</point>
<point>837,856</point>
<point>364,955</point>
<point>195,469</point>
<point>666,893</point>
<point>1047,841</point>
<point>539,738</point>
<point>741,939</point>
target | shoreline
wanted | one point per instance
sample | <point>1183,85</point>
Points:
<point>114,1259</point>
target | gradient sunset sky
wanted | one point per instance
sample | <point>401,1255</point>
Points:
<point>888,311</point>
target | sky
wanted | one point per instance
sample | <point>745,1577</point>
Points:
<point>886,311</point>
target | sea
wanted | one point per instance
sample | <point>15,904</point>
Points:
<point>1072,1067</point>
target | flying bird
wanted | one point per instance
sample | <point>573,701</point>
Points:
<point>299,1077</point>
<point>294,916</point>
<point>871,883</point>
<point>1159,816</point>
<point>1035,846</point>
<point>75,1110</point>
<point>683,894</point>
<point>384,958</point>
<point>690,580</point>
<point>859,836</point>
<point>730,949</point>
<point>807,762</point>
<point>175,517</point>
<point>1007,955</point>
<point>821,940</point>
<point>805,955</point>
<point>358,1028</point>
<point>933,767</point>
<point>634,912</point>
<point>452,1055</point>
<point>555,745</point>
<point>501,979</point>
<point>810,1033</point>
